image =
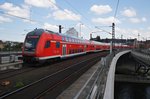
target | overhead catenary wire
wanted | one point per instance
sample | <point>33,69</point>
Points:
<point>17,16</point>
<point>68,13</point>
<point>37,21</point>
<point>40,22</point>
<point>103,30</point>
<point>116,10</point>
<point>24,18</point>
<point>115,14</point>
<point>76,9</point>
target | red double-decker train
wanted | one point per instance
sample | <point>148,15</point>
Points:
<point>41,45</point>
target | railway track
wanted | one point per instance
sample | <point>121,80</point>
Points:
<point>54,90</point>
<point>49,79</point>
<point>6,74</point>
<point>11,73</point>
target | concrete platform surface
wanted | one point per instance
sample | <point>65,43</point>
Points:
<point>79,84</point>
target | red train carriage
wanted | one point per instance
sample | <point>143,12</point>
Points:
<point>43,44</point>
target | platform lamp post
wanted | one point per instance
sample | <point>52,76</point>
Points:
<point>9,45</point>
<point>113,36</point>
<point>121,41</point>
<point>113,32</point>
<point>80,29</point>
<point>138,41</point>
<point>112,43</point>
<point>90,36</point>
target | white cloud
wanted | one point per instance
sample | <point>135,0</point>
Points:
<point>148,28</point>
<point>4,19</point>
<point>137,20</point>
<point>144,19</point>
<point>65,15</point>
<point>101,9</point>
<point>50,27</point>
<point>11,9</point>
<point>106,21</point>
<point>49,16</point>
<point>30,21</point>
<point>129,12</point>
<point>42,3</point>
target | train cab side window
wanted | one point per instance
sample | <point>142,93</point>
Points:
<point>47,44</point>
<point>57,44</point>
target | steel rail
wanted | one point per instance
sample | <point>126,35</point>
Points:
<point>40,80</point>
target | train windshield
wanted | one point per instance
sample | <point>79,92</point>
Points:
<point>31,42</point>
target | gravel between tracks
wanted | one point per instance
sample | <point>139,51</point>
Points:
<point>36,74</point>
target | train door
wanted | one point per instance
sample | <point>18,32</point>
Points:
<point>64,49</point>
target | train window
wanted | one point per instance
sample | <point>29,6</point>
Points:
<point>63,38</point>
<point>31,43</point>
<point>72,40</point>
<point>78,50</point>
<point>75,40</point>
<point>57,44</point>
<point>67,39</point>
<point>47,45</point>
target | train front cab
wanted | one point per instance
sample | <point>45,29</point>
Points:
<point>40,45</point>
<point>30,47</point>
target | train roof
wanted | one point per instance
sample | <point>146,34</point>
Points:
<point>39,32</point>
<point>100,43</point>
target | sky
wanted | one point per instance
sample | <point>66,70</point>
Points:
<point>18,17</point>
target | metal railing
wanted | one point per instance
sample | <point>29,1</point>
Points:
<point>7,57</point>
<point>94,88</point>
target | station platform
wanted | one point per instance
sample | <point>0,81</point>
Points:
<point>79,85</point>
<point>96,82</point>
